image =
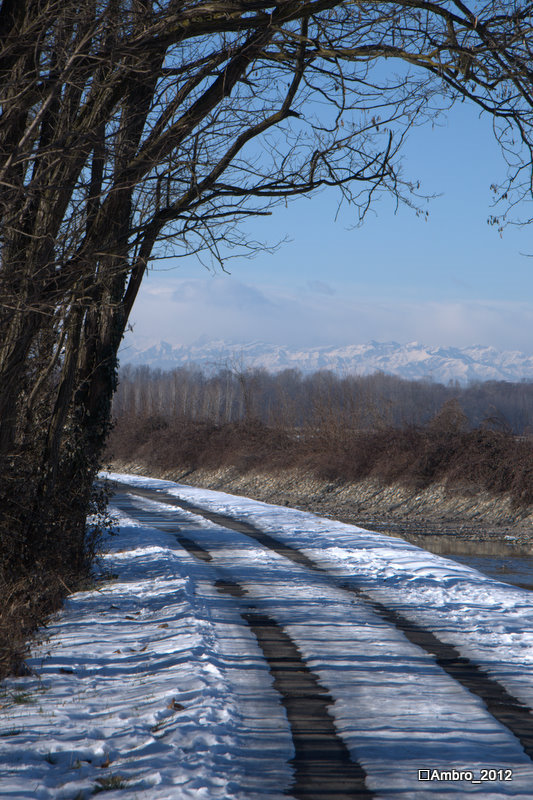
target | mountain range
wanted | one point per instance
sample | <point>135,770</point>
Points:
<point>413,360</point>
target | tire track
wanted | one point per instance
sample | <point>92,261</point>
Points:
<point>503,706</point>
<point>323,768</point>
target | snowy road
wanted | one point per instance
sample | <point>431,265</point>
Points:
<point>154,686</point>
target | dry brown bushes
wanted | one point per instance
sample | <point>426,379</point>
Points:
<point>479,459</point>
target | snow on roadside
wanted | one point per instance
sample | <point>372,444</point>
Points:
<point>152,681</point>
<point>488,621</point>
<point>139,685</point>
<point>395,709</point>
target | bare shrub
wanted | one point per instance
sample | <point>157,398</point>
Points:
<point>498,462</point>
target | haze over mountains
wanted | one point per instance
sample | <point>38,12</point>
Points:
<point>414,361</point>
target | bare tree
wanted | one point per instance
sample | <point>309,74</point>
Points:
<point>139,129</point>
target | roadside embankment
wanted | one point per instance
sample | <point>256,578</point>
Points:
<point>465,513</point>
<point>473,484</point>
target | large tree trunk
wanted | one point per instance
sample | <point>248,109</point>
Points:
<point>125,124</point>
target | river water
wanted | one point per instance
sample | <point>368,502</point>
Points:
<point>503,560</point>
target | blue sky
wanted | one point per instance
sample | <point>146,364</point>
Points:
<point>449,281</point>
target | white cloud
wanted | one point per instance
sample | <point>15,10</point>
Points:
<point>222,307</point>
<point>220,291</point>
<point>320,287</point>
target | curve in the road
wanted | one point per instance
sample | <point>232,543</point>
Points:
<point>503,706</point>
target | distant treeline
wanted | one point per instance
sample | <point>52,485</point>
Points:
<point>290,400</point>
<point>339,429</point>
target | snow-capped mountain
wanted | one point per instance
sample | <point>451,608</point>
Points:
<point>413,360</point>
